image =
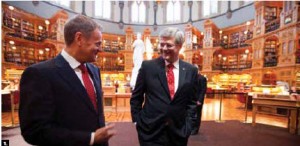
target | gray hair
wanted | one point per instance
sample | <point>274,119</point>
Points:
<point>173,32</point>
<point>79,23</point>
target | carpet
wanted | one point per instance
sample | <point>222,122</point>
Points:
<point>230,133</point>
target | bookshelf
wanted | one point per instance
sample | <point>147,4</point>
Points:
<point>224,42</point>
<point>234,40</point>
<point>232,63</point>
<point>28,55</point>
<point>270,53</point>
<point>243,61</point>
<point>28,30</point>
<point>272,25</point>
<point>113,43</point>
<point>245,35</point>
<point>270,13</point>
<point>272,17</point>
<point>41,33</point>
<point>25,38</point>
<point>108,61</point>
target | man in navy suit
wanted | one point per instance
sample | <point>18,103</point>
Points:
<point>163,101</point>
<point>201,94</point>
<point>61,99</point>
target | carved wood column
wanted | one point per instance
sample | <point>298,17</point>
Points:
<point>188,52</point>
<point>128,52</point>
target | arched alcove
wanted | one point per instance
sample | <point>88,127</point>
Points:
<point>271,51</point>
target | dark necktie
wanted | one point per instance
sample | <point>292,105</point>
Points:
<point>170,78</point>
<point>88,85</point>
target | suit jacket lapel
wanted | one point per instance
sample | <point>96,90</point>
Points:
<point>97,85</point>
<point>67,73</point>
<point>162,76</point>
<point>182,73</point>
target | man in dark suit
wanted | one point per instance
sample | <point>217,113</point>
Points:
<point>163,101</point>
<point>201,94</point>
<point>61,99</point>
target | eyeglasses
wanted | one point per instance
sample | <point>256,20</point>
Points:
<point>162,45</point>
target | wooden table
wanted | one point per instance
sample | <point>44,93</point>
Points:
<point>122,95</point>
<point>276,101</point>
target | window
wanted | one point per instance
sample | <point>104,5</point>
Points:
<point>138,12</point>
<point>65,3</point>
<point>173,11</point>
<point>210,7</point>
<point>102,9</point>
<point>288,5</point>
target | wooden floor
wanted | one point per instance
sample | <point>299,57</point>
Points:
<point>231,110</point>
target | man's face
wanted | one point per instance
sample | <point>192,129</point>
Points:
<point>169,50</point>
<point>91,46</point>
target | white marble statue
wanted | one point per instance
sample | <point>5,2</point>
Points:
<point>138,57</point>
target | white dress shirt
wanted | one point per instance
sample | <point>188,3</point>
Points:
<point>176,73</point>
<point>75,66</point>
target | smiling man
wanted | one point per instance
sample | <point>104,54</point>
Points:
<point>61,99</point>
<point>164,98</point>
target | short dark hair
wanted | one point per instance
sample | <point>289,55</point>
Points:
<point>79,23</point>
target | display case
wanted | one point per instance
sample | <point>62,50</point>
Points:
<point>119,80</point>
<point>231,80</point>
<point>11,74</point>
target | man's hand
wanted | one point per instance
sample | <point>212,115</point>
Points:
<point>104,133</point>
